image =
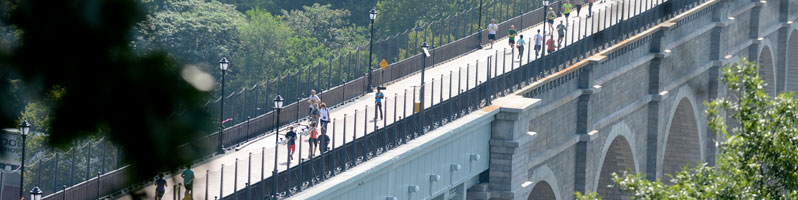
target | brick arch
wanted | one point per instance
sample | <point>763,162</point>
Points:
<point>542,191</point>
<point>540,176</point>
<point>792,62</point>
<point>767,69</point>
<point>682,142</point>
<point>617,159</point>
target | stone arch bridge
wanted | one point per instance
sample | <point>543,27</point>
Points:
<point>636,106</point>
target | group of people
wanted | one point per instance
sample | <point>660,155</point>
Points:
<point>551,15</point>
<point>318,119</point>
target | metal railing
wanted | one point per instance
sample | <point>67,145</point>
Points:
<point>345,156</point>
<point>252,116</point>
<point>319,168</point>
<point>250,109</point>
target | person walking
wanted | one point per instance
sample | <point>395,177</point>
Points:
<point>160,187</point>
<point>550,15</point>
<point>188,180</point>
<point>314,141</point>
<point>492,28</point>
<point>511,34</point>
<point>325,117</point>
<point>561,30</point>
<point>578,4</point>
<point>538,44</point>
<point>566,10</point>
<point>324,141</point>
<point>589,8</point>
<point>378,104</point>
<point>550,46</point>
<point>291,142</point>
<point>313,101</point>
<point>520,47</point>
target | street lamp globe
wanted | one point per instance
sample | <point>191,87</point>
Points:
<point>545,3</point>
<point>36,193</point>
<point>223,64</point>
<point>24,128</point>
<point>373,14</point>
<point>278,102</point>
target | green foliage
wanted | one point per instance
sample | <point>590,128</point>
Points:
<point>329,26</point>
<point>196,31</point>
<point>396,16</point>
<point>83,48</point>
<point>757,160</point>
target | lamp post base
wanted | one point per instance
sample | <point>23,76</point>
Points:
<point>221,151</point>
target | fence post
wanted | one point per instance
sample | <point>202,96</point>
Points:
<point>487,81</point>
<point>221,181</point>
<point>354,138</point>
<point>235,176</point>
<point>207,177</point>
<point>333,148</point>
<point>385,124</point>
<point>343,145</point>
<point>98,185</point>
<point>249,169</point>
<point>263,169</point>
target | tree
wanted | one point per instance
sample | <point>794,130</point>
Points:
<point>757,160</point>
<point>83,47</point>
<point>196,31</point>
<point>329,26</point>
<point>262,51</point>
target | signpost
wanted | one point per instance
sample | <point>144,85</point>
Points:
<point>383,65</point>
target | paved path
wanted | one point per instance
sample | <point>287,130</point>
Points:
<point>462,68</point>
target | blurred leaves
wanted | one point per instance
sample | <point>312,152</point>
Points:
<point>81,51</point>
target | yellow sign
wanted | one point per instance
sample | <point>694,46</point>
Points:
<point>383,64</point>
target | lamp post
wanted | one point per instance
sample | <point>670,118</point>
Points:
<point>372,16</point>
<point>278,105</point>
<point>223,64</point>
<point>36,193</point>
<point>24,128</point>
<point>425,48</point>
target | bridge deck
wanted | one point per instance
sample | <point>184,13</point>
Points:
<point>470,68</point>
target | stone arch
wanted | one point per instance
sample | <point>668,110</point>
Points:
<point>545,184</point>
<point>683,109</point>
<point>792,62</point>
<point>542,190</point>
<point>682,142</point>
<point>767,69</point>
<point>618,155</point>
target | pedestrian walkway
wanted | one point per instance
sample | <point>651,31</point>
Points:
<point>255,160</point>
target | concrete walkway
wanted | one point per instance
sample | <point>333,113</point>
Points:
<point>260,152</point>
